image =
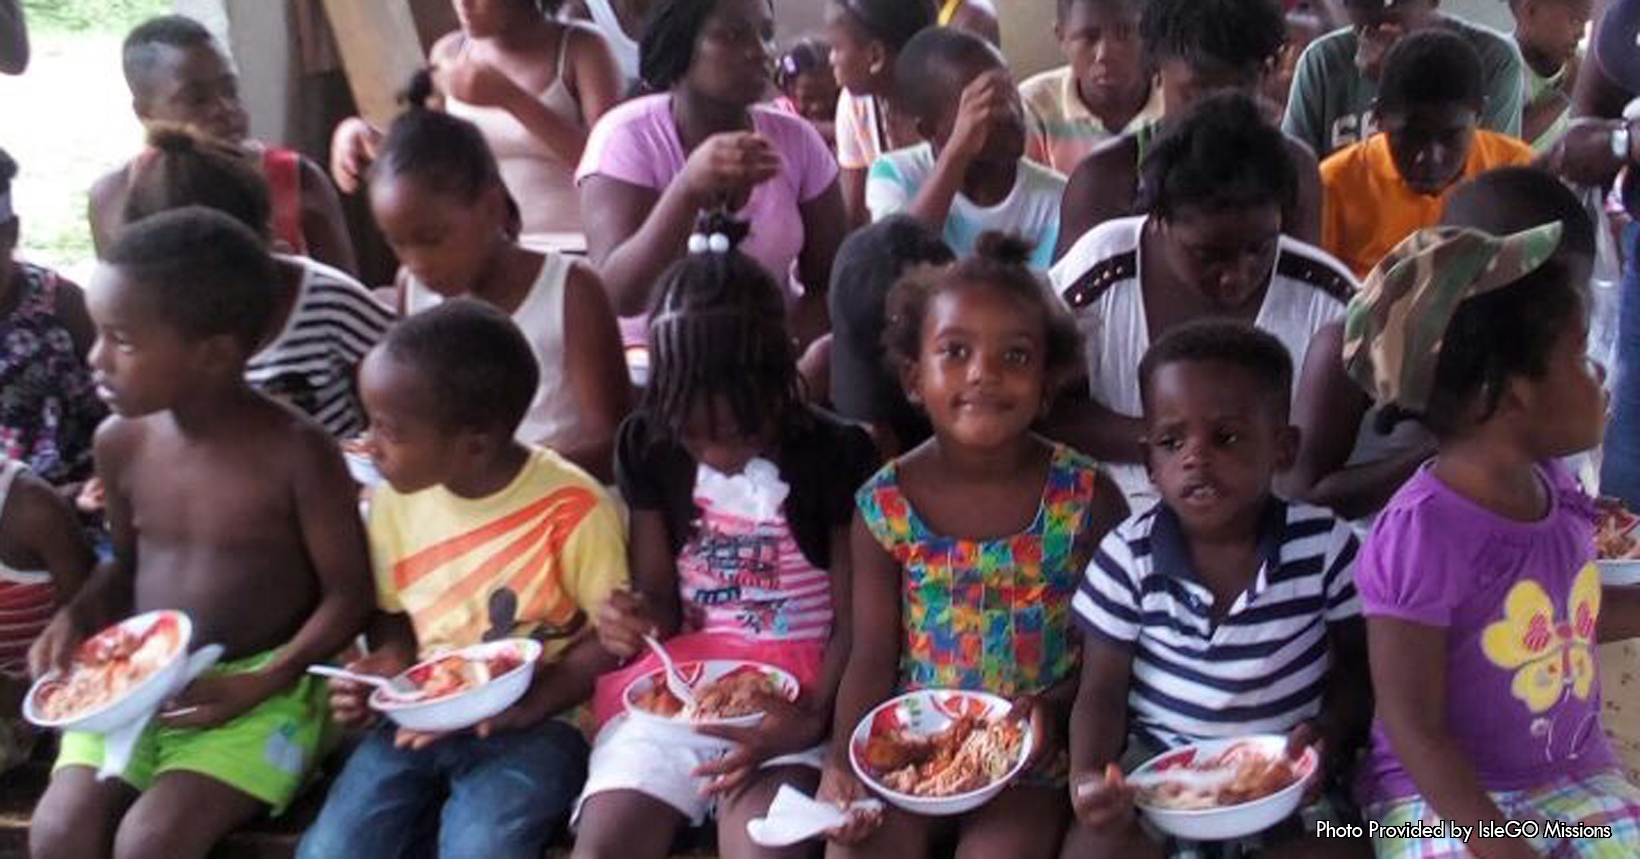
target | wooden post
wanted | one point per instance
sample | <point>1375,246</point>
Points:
<point>380,50</point>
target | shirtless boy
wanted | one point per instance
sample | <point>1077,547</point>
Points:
<point>178,73</point>
<point>225,505</point>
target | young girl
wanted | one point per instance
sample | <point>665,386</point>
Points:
<point>1484,607</point>
<point>43,561</point>
<point>807,86</point>
<point>324,321</point>
<point>534,86</point>
<point>741,497</point>
<point>967,550</point>
<point>440,202</point>
<point>50,407</point>
<point>866,37</point>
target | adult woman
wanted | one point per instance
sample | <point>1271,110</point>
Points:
<point>654,163</point>
<point>534,86</point>
<point>1210,245</point>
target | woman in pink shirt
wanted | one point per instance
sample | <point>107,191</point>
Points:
<point>652,165</point>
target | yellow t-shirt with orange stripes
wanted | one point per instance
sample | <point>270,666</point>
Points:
<point>535,559</point>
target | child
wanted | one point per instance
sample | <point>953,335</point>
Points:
<point>475,536</point>
<point>1198,48</point>
<point>1483,603</point>
<point>741,498</point>
<point>1222,611</point>
<point>438,197</point>
<point>978,17</point>
<point>50,408</point>
<point>1303,27</point>
<point>225,505</point>
<point>1548,33</point>
<point>1336,84</point>
<point>864,386</point>
<point>178,73</point>
<point>967,550</point>
<point>970,176</point>
<point>866,38</point>
<point>43,561</point>
<point>1105,90</point>
<point>1378,192</point>
<point>1211,245</point>
<point>323,321</point>
<point>807,86</point>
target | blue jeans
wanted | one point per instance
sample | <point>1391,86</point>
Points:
<point>501,797</point>
<point>1620,460</point>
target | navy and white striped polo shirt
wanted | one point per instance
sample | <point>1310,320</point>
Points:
<point>1263,667</point>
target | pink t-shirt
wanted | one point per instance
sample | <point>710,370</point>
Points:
<point>637,142</point>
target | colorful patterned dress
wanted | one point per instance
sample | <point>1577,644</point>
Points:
<point>48,405</point>
<point>989,615</point>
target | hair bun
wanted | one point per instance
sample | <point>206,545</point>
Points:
<point>419,91</point>
<point>1006,248</point>
<point>718,222</point>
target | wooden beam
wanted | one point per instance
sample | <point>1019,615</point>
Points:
<point>380,50</point>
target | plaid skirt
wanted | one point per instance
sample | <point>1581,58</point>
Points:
<point>1605,799</point>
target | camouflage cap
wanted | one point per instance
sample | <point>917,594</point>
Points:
<point>1395,324</point>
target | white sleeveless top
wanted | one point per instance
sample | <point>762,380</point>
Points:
<point>1099,278</point>
<point>554,415</point>
<point>9,469</point>
<point>626,50</point>
<point>541,185</point>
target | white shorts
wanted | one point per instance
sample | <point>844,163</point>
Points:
<point>631,755</point>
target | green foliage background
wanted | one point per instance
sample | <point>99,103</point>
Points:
<point>76,16</point>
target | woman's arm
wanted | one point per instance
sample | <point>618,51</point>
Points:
<point>1304,222</point>
<point>853,183</point>
<point>1100,189</point>
<point>1408,663</point>
<point>596,370</point>
<point>1094,429</point>
<point>1328,414</point>
<point>825,223</point>
<point>634,233</point>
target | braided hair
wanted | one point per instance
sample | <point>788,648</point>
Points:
<point>717,329</point>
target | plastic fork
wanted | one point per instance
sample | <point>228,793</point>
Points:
<point>674,681</point>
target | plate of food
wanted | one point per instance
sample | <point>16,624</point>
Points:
<point>459,689</point>
<point>1617,544</point>
<point>116,676</point>
<point>727,692</point>
<point>1220,789</point>
<point>939,751</point>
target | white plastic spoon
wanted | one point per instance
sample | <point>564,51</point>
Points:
<point>674,681</point>
<point>393,686</point>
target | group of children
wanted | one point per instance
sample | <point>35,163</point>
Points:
<point>1047,449</point>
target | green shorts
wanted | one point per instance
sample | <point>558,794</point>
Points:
<point>267,752</point>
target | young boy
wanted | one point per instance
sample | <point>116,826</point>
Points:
<point>1197,47</point>
<point>1379,192</point>
<point>1105,90</point>
<point>178,73</point>
<point>226,506</point>
<point>474,537</point>
<point>1548,33</point>
<point>1222,611</point>
<point>971,175</point>
<point>1336,84</point>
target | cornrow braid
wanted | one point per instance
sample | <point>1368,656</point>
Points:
<point>717,329</point>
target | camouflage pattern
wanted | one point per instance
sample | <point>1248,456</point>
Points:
<point>1395,324</point>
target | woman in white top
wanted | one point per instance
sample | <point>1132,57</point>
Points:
<point>1211,245</point>
<point>534,86</point>
<point>621,22</point>
<point>437,195</point>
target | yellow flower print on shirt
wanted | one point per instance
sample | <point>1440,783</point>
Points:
<point>1551,655</point>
